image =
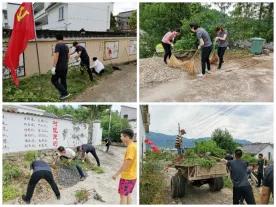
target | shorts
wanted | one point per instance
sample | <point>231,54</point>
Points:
<point>126,186</point>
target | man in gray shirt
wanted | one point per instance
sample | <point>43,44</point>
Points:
<point>241,187</point>
<point>205,45</point>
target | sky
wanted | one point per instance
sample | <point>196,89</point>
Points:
<point>124,6</point>
<point>250,122</point>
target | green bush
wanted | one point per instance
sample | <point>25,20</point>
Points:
<point>10,192</point>
<point>249,158</point>
<point>209,146</point>
<point>10,172</point>
<point>30,156</point>
<point>152,184</point>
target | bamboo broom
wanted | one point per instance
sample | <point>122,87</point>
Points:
<point>189,65</point>
<point>214,57</point>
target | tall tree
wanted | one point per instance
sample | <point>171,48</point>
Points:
<point>224,140</point>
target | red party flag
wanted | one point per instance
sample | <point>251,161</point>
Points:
<point>23,31</point>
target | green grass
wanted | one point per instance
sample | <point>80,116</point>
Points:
<point>10,192</point>
<point>10,172</point>
<point>38,88</point>
<point>98,169</point>
<point>82,195</point>
<point>227,182</point>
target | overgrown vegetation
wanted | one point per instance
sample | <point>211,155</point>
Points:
<point>152,180</point>
<point>82,195</point>
<point>249,158</point>
<point>11,173</point>
<point>227,182</point>
<point>242,20</point>
<point>38,88</point>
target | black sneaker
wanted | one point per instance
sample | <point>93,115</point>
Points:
<point>64,96</point>
<point>25,200</point>
<point>58,197</point>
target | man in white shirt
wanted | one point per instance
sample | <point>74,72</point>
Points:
<point>69,154</point>
<point>97,66</point>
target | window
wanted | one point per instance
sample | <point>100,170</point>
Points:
<point>61,14</point>
<point>126,116</point>
<point>269,155</point>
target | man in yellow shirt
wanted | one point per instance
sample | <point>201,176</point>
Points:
<point>128,169</point>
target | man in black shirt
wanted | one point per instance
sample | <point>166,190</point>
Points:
<point>267,187</point>
<point>260,174</point>
<point>238,173</point>
<point>107,143</point>
<point>60,67</point>
<point>83,55</point>
<point>41,170</point>
<point>88,148</point>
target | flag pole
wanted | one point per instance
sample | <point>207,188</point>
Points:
<point>36,45</point>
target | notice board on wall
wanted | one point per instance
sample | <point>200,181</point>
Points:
<point>111,50</point>
<point>132,47</point>
<point>24,132</point>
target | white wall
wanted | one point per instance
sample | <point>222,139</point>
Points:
<point>97,134</point>
<point>266,151</point>
<point>53,18</point>
<point>22,132</point>
<point>90,16</point>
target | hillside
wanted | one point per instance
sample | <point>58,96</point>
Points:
<point>168,141</point>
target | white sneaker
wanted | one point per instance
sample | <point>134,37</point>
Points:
<point>200,75</point>
<point>209,72</point>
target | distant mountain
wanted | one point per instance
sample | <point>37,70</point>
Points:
<point>168,141</point>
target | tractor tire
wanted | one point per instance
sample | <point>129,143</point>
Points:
<point>178,186</point>
<point>216,184</point>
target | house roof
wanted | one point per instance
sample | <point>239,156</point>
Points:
<point>255,148</point>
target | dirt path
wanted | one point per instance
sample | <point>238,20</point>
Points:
<point>103,183</point>
<point>247,79</point>
<point>120,86</point>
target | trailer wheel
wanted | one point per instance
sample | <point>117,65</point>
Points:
<point>216,184</point>
<point>178,186</point>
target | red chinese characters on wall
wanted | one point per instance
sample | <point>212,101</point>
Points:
<point>55,133</point>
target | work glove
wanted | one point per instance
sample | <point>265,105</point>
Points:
<point>199,47</point>
<point>53,70</point>
<point>216,39</point>
<point>172,45</point>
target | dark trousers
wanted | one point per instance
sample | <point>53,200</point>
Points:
<point>80,171</point>
<point>245,192</point>
<point>168,51</point>
<point>107,147</point>
<point>260,178</point>
<point>205,53</point>
<point>86,65</point>
<point>100,73</point>
<point>59,81</point>
<point>221,51</point>
<point>36,177</point>
<point>93,152</point>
